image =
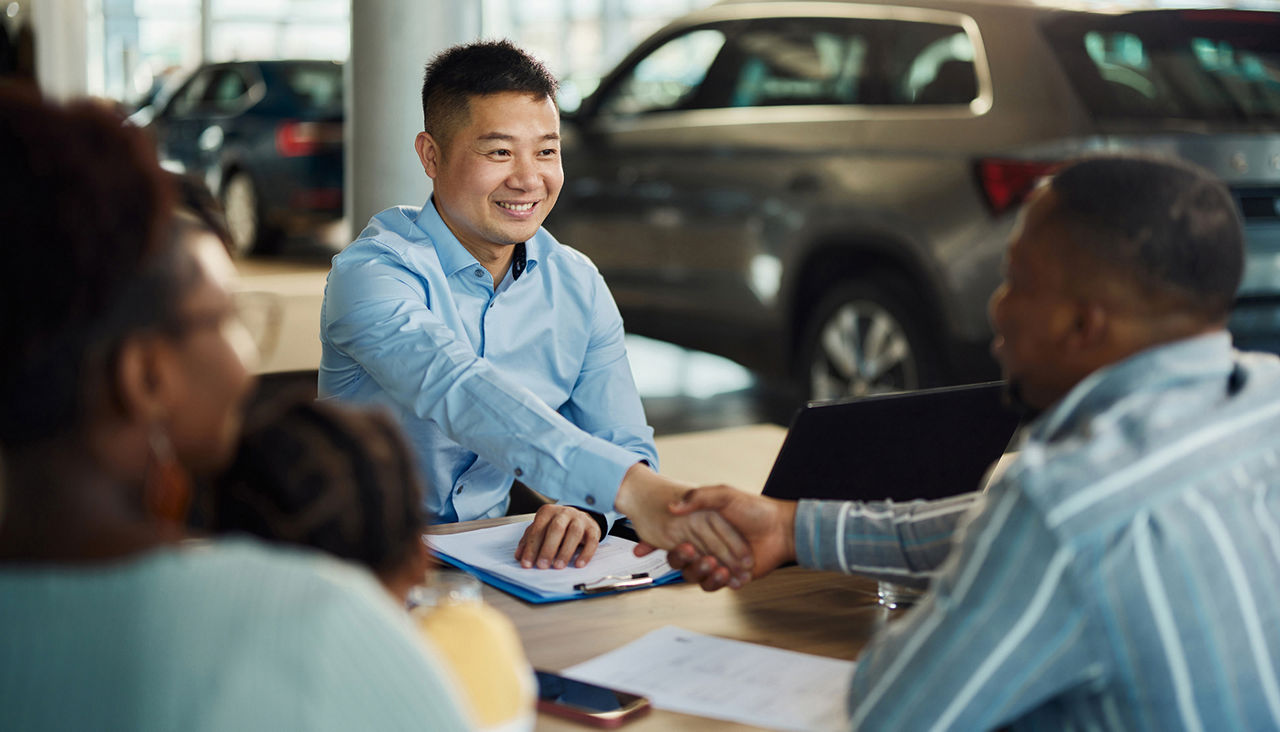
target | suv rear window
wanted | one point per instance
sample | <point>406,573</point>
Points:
<point>799,61</point>
<point>318,87</point>
<point>1212,65</point>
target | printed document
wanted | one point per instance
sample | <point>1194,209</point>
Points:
<point>692,673</point>
<point>493,550</point>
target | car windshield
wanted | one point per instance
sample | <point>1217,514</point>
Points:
<point>317,86</point>
<point>1210,65</point>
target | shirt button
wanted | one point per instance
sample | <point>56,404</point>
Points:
<point>479,273</point>
<point>519,472</point>
<point>591,500</point>
<point>460,488</point>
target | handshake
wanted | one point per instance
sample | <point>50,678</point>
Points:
<point>715,535</point>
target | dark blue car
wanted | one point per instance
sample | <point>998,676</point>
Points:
<point>266,136</point>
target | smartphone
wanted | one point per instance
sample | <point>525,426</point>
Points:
<point>595,705</point>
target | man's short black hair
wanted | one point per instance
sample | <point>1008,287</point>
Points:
<point>1170,226</point>
<point>477,69</point>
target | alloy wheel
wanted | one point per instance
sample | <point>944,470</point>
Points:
<point>861,349</point>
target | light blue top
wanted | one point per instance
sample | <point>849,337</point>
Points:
<point>1122,574</point>
<point>528,380</point>
<point>229,635</point>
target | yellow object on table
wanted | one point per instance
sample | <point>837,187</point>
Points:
<point>482,649</point>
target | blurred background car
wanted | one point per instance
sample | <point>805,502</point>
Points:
<point>823,191</point>
<point>266,137</point>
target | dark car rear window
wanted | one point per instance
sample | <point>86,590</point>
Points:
<point>318,87</point>
<point>1211,65</point>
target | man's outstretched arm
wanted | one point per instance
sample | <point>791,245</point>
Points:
<point>379,317</point>
<point>603,402</point>
<point>882,539</point>
<point>1004,628</point>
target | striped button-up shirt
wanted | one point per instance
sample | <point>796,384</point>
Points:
<point>1123,573</point>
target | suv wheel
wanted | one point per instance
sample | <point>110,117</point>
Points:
<point>244,214</point>
<point>863,339</point>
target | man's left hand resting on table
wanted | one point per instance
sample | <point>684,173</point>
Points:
<point>556,534</point>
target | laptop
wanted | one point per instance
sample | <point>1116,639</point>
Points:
<point>926,444</point>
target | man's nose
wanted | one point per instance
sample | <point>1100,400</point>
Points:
<point>524,175</point>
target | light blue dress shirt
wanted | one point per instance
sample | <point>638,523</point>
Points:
<point>1121,574</point>
<point>528,380</point>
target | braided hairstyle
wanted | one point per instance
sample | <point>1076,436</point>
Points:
<point>327,476</point>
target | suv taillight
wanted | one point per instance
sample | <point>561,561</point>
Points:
<point>1006,183</point>
<point>306,138</point>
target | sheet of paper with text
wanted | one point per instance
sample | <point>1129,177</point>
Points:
<point>692,673</point>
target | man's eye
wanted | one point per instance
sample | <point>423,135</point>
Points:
<point>500,153</point>
<point>549,152</point>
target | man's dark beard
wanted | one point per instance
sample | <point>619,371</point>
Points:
<point>1014,400</point>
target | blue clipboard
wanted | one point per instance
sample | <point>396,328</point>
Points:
<point>528,595</point>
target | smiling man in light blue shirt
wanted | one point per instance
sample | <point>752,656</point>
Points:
<point>500,350</point>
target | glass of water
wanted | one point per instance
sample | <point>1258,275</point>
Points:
<point>895,596</point>
<point>444,587</point>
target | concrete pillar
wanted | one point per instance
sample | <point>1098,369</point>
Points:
<point>206,30</point>
<point>616,38</point>
<point>61,29</point>
<point>391,42</point>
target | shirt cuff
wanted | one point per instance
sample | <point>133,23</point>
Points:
<point>595,473</point>
<point>813,527</point>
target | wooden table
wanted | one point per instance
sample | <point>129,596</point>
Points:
<point>793,608</point>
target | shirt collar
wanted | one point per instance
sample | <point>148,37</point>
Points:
<point>454,257</point>
<point>1199,358</point>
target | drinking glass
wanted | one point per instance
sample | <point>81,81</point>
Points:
<point>895,596</point>
<point>445,587</point>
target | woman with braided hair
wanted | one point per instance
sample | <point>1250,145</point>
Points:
<point>125,374</point>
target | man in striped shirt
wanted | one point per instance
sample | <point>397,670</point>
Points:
<point>1122,573</point>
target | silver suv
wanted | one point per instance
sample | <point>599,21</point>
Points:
<point>822,190</point>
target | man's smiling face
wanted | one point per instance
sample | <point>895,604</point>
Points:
<point>497,177</point>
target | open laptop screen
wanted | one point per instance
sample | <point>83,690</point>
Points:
<point>928,444</point>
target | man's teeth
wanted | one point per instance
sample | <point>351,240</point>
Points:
<point>516,206</point>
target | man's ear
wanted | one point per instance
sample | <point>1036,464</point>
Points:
<point>429,154</point>
<point>1090,328</point>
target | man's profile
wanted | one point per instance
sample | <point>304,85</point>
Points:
<point>1121,573</point>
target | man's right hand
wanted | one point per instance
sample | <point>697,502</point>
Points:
<point>647,499</point>
<point>767,524</point>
